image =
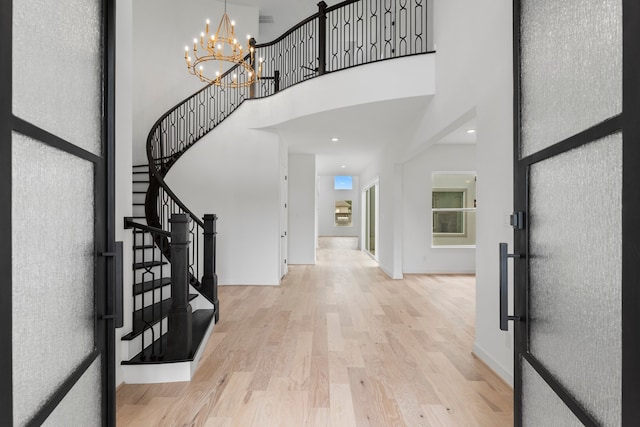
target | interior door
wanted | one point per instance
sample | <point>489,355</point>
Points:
<point>575,199</point>
<point>56,175</point>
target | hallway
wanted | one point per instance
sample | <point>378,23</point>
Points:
<point>337,344</point>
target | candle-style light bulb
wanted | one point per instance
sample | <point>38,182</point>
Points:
<point>207,27</point>
<point>202,39</point>
<point>186,52</point>
<point>195,44</point>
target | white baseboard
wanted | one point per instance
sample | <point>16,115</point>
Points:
<point>389,273</point>
<point>500,370</point>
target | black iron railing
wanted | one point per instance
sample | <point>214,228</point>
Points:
<point>161,289</point>
<point>351,33</point>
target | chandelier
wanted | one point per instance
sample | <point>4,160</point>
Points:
<point>218,49</point>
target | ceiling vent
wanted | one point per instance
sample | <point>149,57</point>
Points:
<point>265,19</point>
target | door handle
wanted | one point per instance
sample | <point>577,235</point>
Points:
<point>117,314</point>
<point>504,287</point>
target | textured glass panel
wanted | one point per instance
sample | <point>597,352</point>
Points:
<point>541,407</point>
<point>571,68</point>
<point>81,406</point>
<point>53,270</point>
<point>576,273</point>
<point>57,68</point>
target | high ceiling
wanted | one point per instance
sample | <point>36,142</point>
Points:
<point>362,130</point>
<point>285,14</point>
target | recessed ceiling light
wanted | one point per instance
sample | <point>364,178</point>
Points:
<point>343,166</point>
<point>334,139</point>
<point>471,131</point>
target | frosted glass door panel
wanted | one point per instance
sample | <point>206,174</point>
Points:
<point>571,66</point>
<point>57,68</point>
<point>541,407</point>
<point>81,406</point>
<point>53,270</point>
<point>575,273</point>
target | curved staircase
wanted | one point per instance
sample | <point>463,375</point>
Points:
<point>175,289</point>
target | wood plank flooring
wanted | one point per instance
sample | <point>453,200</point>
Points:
<point>337,344</point>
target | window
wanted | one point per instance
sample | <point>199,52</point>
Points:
<point>447,218</point>
<point>343,213</point>
<point>453,209</point>
<point>342,182</point>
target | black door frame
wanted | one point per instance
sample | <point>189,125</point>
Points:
<point>629,124</point>
<point>104,167</point>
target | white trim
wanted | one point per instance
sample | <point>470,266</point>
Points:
<point>500,370</point>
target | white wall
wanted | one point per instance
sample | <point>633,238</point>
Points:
<point>302,209</point>
<point>234,172</point>
<point>474,78</point>
<point>495,179</point>
<point>124,130</point>
<point>327,197</point>
<point>418,254</point>
<point>389,176</point>
<point>162,29</point>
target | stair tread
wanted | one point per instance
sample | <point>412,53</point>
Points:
<point>144,247</point>
<point>150,285</point>
<point>151,314</point>
<point>147,264</point>
<point>201,321</point>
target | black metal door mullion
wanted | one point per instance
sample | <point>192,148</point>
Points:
<point>6,321</point>
<point>630,213</point>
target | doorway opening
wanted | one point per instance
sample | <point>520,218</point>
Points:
<point>370,220</point>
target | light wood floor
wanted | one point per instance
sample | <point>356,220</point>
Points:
<point>337,344</point>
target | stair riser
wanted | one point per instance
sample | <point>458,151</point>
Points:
<point>134,346</point>
<point>153,273</point>
<point>151,297</point>
<point>138,198</point>
<point>142,239</point>
<point>138,210</point>
<point>149,254</point>
<point>140,186</point>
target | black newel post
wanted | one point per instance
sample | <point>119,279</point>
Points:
<point>252,62</point>
<point>179,334</point>
<point>276,81</point>
<point>322,38</point>
<point>210,279</point>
